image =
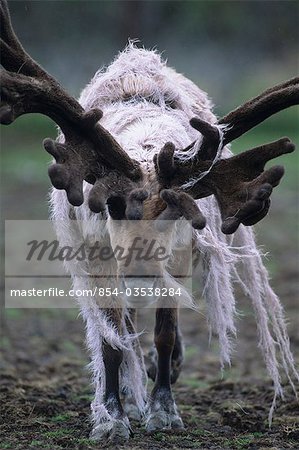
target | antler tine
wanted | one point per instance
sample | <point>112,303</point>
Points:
<point>89,150</point>
<point>98,195</point>
<point>241,186</point>
<point>255,111</point>
<point>211,138</point>
<point>245,117</point>
<point>257,157</point>
<point>164,164</point>
<point>179,204</point>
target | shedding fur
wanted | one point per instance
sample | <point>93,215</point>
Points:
<point>146,104</point>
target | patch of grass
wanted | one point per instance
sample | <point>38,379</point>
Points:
<point>186,407</point>
<point>240,442</point>
<point>257,434</point>
<point>193,420</point>
<point>70,347</point>
<point>191,351</point>
<point>159,437</point>
<point>14,313</point>
<point>6,445</point>
<point>4,342</point>
<point>57,433</point>
<point>61,418</point>
<point>200,432</point>
<point>82,397</point>
<point>38,444</point>
<point>195,444</point>
<point>195,383</point>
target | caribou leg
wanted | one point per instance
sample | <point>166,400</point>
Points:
<point>116,426</point>
<point>177,358</point>
<point>128,402</point>
<point>162,413</point>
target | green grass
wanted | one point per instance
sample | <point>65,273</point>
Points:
<point>200,432</point>
<point>61,418</point>
<point>58,433</point>
<point>4,342</point>
<point>195,383</point>
<point>13,313</point>
<point>191,351</point>
<point>239,443</point>
<point>37,443</point>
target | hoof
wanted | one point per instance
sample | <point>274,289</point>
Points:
<point>132,411</point>
<point>113,431</point>
<point>161,420</point>
<point>129,406</point>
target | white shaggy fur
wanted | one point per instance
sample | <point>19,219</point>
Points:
<point>146,104</point>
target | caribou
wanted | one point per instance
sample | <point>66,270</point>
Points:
<point>143,146</point>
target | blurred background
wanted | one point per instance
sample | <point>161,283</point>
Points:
<point>233,50</point>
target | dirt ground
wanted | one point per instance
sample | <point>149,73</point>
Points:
<point>45,390</point>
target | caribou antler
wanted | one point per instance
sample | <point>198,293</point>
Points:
<point>239,183</point>
<point>245,117</point>
<point>242,188</point>
<point>180,204</point>
<point>255,111</point>
<point>89,151</point>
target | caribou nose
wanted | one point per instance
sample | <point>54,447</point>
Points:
<point>139,282</point>
<point>139,291</point>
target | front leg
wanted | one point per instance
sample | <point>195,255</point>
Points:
<point>162,413</point>
<point>114,426</point>
<point>128,401</point>
<point>177,358</point>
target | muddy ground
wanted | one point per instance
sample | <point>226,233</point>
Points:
<point>45,391</point>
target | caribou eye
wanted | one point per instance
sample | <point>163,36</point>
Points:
<point>116,207</point>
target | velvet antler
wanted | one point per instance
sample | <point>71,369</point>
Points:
<point>242,187</point>
<point>245,117</point>
<point>180,204</point>
<point>89,151</point>
<point>255,111</point>
<point>240,184</point>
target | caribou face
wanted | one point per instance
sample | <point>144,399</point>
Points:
<point>142,250</point>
